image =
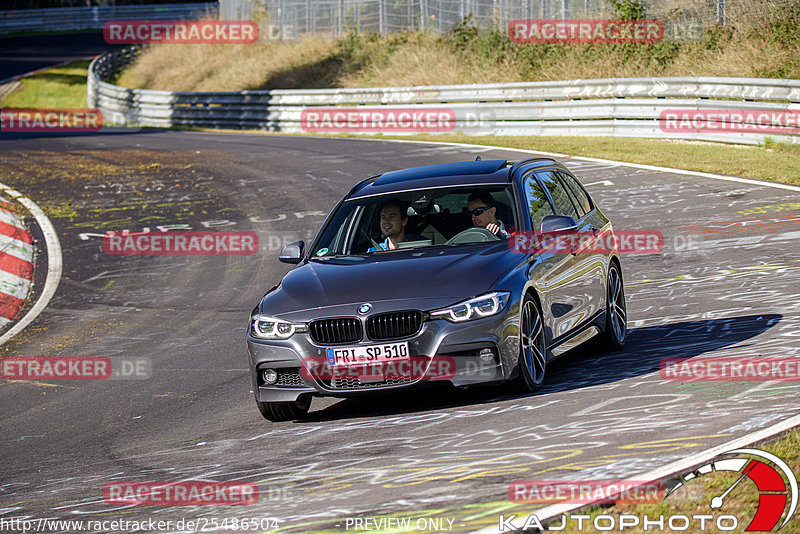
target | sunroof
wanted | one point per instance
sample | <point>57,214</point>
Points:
<point>443,169</point>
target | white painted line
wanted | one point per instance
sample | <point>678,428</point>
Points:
<point>54,266</point>
<point>540,153</point>
<point>686,463</point>
<point>606,161</point>
<point>663,472</point>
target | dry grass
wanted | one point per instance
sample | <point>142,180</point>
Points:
<point>415,59</point>
<point>761,40</point>
<point>219,67</point>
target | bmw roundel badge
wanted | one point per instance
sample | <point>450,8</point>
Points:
<point>364,308</point>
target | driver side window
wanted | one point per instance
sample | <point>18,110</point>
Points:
<point>564,205</point>
<point>538,205</point>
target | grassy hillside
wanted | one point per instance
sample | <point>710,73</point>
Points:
<point>764,46</point>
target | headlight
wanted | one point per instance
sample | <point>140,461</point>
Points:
<point>483,306</point>
<point>267,327</point>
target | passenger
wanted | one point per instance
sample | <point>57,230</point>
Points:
<point>393,225</point>
<point>484,213</point>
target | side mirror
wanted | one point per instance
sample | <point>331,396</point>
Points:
<point>292,252</point>
<point>558,223</point>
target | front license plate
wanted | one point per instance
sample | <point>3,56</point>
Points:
<point>346,356</point>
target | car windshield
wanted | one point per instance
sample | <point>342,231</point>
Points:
<point>421,218</point>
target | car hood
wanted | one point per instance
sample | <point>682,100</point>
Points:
<point>435,273</point>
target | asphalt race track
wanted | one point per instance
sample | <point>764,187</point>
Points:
<point>726,284</point>
<point>24,53</point>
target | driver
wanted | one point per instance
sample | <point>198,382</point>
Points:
<point>393,225</point>
<point>484,213</point>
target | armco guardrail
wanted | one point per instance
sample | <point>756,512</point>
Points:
<point>629,107</point>
<point>93,18</point>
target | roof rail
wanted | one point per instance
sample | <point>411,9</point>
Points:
<point>529,160</point>
<point>361,184</point>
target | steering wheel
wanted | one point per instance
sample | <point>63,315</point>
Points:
<point>476,234</point>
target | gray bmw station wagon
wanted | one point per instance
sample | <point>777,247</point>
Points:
<point>415,278</point>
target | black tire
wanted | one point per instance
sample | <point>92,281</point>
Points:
<point>284,411</point>
<point>532,353</point>
<point>616,331</point>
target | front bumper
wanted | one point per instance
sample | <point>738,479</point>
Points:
<point>441,344</point>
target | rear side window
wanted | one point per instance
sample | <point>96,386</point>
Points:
<point>538,205</point>
<point>559,195</point>
<point>577,191</point>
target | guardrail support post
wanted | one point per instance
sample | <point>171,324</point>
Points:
<point>281,15</point>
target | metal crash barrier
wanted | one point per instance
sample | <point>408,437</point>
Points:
<point>730,110</point>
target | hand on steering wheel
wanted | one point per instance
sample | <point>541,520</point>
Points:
<point>475,234</point>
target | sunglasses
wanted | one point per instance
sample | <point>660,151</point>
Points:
<point>479,211</point>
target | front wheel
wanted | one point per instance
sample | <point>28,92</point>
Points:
<point>616,313</point>
<point>532,353</point>
<point>284,411</point>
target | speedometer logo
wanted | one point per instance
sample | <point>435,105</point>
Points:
<point>766,474</point>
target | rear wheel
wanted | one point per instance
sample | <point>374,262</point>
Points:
<point>532,353</point>
<point>616,313</point>
<point>284,411</point>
